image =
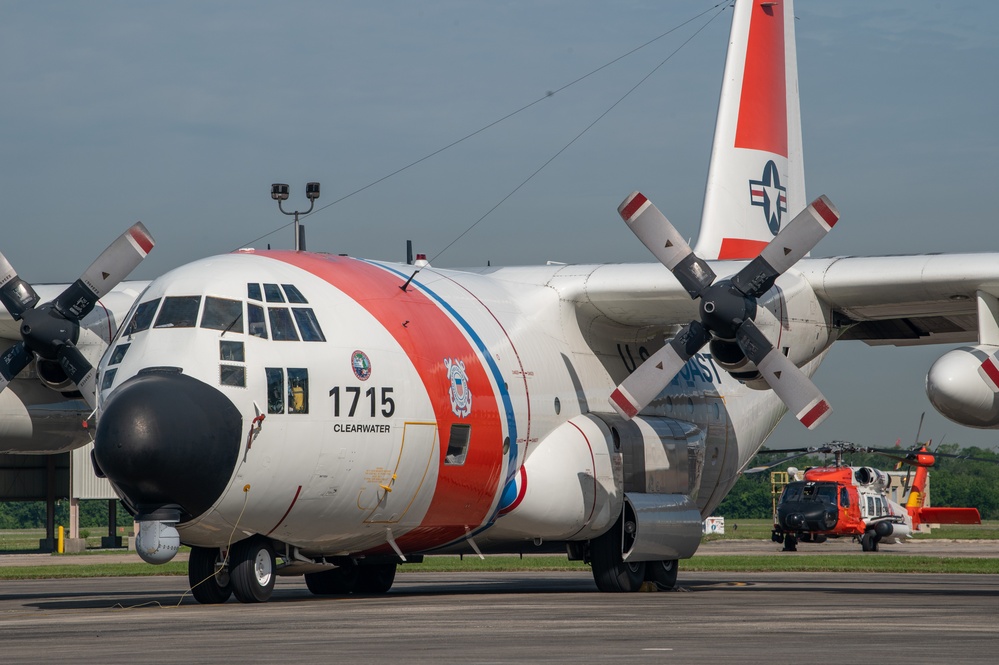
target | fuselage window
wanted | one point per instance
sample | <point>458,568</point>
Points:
<point>273,293</point>
<point>275,390</point>
<point>282,329</point>
<point>232,375</point>
<point>231,351</point>
<point>223,314</point>
<point>143,317</point>
<point>294,295</point>
<point>253,292</point>
<point>119,354</point>
<point>870,506</point>
<point>298,390</point>
<point>255,316</point>
<point>179,312</point>
<point>457,444</point>
<point>844,497</point>
<point>308,325</point>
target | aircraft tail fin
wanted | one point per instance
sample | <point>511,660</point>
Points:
<point>756,179</point>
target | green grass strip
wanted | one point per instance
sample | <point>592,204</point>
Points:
<point>855,563</point>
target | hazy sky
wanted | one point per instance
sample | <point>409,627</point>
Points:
<point>181,114</point>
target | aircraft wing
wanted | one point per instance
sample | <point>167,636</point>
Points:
<point>906,300</point>
<point>898,300</point>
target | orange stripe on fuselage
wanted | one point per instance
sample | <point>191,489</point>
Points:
<point>464,494</point>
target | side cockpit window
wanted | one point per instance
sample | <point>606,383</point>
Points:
<point>282,329</point>
<point>308,325</point>
<point>143,317</point>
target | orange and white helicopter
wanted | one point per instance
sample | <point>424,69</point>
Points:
<point>290,413</point>
<point>841,501</point>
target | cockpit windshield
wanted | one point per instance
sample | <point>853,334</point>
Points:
<point>809,491</point>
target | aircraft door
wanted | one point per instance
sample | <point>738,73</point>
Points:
<point>387,497</point>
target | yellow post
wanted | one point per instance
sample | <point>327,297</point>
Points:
<point>61,547</point>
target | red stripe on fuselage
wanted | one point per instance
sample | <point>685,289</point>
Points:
<point>763,104</point>
<point>464,494</point>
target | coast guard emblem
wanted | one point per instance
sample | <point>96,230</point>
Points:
<point>461,397</point>
<point>361,365</point>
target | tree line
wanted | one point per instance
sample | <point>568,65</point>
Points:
<point>31,514</point>
<point>953,482</point>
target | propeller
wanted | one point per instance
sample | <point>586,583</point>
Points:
<point>727,308</point>
<point>920,456</point>
<point>51,330</point>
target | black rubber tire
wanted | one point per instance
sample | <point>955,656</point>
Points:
<point>252,570</point>
<point>210,583</point>
<point>377,578</point>
<point>790,543</point>
<point>334,582</point>
<point>869,542</point>
<point>662,573</point>
<point>609,572</point>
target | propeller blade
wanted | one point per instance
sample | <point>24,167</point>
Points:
<point>666,243</point>
<point>794,241</point>
<point>989,371</point>
<point>12,362</point>
<point>80,371</point>
<point>113,265</point>
<point>649,379</point>
<point>15,294</point>
<point>796,390</point>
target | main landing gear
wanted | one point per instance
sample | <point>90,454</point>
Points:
<point>613,574</point>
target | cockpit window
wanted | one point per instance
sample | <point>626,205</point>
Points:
<point>179,312</point>
<point>282,329</point>
<point>143,316</point>
<point>308,325</point>
<point>253,292</point>
<point>273,293</point>
<point>255,315</point>
<point>119,354</point>
<point>223,314</point>
<point>294,295</point>
<point>792,492</point>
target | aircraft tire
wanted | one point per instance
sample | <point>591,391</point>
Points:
<point>209,579</point>
<point>610,572</point>
<point>377,578</point>
<point>790,543</point>
<point>252,570</point>
<point>334,582</point>
<point>662,573</point>
<point>869,542</point>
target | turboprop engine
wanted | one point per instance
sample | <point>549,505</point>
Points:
<point>963,385</point>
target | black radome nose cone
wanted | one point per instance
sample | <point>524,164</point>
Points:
<point>167,438</point>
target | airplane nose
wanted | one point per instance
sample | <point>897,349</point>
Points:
<point>166,438</point>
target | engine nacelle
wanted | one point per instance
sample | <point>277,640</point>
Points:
<point>573,483</point>
<point>865,475</point>
<point>959,392</point>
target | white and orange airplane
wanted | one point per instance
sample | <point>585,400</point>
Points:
<point>287,412</point>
